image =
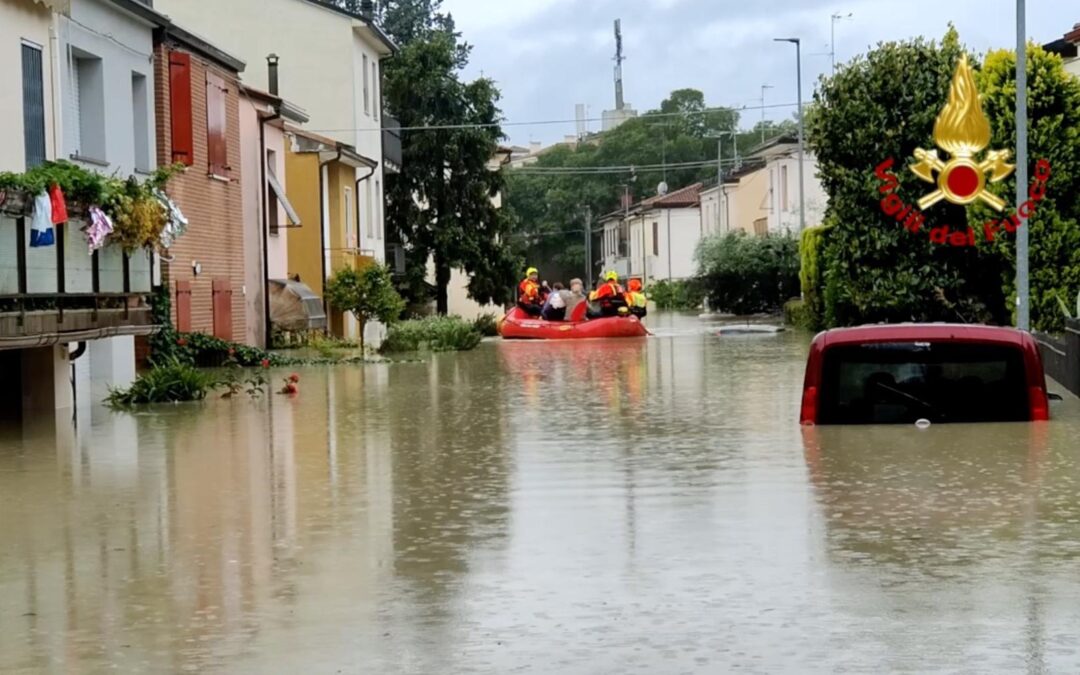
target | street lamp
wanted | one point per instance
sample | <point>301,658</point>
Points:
<point>832,35</point>
<point>1023,307</point>
<point>798,89</point>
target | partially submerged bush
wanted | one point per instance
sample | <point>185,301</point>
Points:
<point>683,294</point>
<point>487,325</point>
<point>436,333</point>
<point>170,382</point>
<point>745,275</point>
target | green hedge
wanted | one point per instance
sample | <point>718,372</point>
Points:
<point>683,294</point>
<point>744,275</point>
<point>811,277</point>
<point>435,333</point>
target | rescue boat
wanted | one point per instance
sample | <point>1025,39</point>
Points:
<point>517,325</point>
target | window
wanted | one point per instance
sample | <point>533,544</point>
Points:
<point>33,105</point>
<point>273,214</point>
<point>180,108</point>
<point>375,102</point>
<point>216,123</point>
<point>655,238</point>
<point>783,188</point>
<point>88,106</point>
<point>369,212</point>
<point>367,107</point>
<point>378,209</point>
<point>349,211</point>
<point>901,382</point>
<point>761,227</point>
<point>140,121</point>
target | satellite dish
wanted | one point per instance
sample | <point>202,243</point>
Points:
<point>661,189</point>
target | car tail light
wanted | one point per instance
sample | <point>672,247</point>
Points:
<point>809,406</point>
<point>1040,406</point>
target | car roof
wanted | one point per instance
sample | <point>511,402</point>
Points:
<point>932,332</point>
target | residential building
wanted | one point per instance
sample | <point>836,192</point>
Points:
<point>656,238</point>
<point>1067,46</point>
<point>197,94</point>
<point>322,177</point>
<point>90,59</point>
<point>330,60</point>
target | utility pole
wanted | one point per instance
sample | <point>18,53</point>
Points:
<point>832,36</point>
<point>763,88</point>
<point>1023,305</point>
<point>669,275</point>
<point>588,249</point>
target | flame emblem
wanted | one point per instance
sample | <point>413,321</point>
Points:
<point>963,131</point>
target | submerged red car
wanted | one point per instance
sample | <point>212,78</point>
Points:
<point>903,373</point>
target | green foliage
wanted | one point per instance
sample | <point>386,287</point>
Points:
<point>436,333</point>
<point>1053,135</point>
<point>678,295</point>
<point>811,278</point>
<point>1065,307</point>
<point>440,205</point>
<point>170,382</point>
<point>368,293</point>
<point>487,325</point>
<point>796,313</point>
<point>745,275</point>
<point>884,105</point>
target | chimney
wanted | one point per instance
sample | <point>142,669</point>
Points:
<point>367,9</point>
<point>272,66</point>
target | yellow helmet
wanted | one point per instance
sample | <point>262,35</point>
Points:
<point>531,271</point>
<point>611,275</point>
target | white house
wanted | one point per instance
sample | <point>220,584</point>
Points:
<point>1067,46</point>
<point>656,238</point>
<point>329,59</point>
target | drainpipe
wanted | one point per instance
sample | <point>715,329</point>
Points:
<point>323,226</point>
<point>359,231</point>
<point>272,65</point>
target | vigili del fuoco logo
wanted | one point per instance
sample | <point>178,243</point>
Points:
<point>962,132</point>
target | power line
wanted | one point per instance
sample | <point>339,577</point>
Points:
<point>602,170</point>
<point>647,116</point>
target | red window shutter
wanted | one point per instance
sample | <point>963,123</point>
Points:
<point>183,306</point>
<point>180,107</point>
<point>217,148</point>
<point>222,303</point>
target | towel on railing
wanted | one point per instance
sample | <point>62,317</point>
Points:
<point>59,206</point>
<point>99,228</point>
<point>41,223</point>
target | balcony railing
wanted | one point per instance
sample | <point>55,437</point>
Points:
<point>61,293</point>
<point>352,258</point>
<point>391,143</point>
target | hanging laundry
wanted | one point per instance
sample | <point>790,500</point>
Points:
<point>59,206</point>
<point>176,224</point>
<point>100,227</point>
<point>41,224</point>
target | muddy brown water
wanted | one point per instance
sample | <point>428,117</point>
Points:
<point>637,506</point>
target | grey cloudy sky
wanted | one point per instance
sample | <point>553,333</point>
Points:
<point>547,55</point>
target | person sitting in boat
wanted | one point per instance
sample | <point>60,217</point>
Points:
<point>529,293</point>
<point>610,296</point>
<point>635,299</point>
<point>555,305</point>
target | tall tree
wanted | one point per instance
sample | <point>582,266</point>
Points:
<point>441,204</point>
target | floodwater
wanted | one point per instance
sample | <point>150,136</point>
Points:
<point>636,506</point>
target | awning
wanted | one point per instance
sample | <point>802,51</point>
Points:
<point>279,192</point>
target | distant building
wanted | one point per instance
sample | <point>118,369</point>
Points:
<point>1068,46</point>
<point>613,118</point>
<point>656,238</point>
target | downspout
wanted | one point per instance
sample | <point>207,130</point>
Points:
<point>323,224</point>
<point>272,62</point>
<point>359,230</point>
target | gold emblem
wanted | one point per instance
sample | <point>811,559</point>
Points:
<point>963,131</point>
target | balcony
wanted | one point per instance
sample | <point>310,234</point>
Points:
<point>61,293</point>
<point>350,258</point>
<point>391,144</point>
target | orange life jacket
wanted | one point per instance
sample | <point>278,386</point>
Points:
<point>529,292</point>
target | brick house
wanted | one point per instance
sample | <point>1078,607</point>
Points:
<point>198,124</point>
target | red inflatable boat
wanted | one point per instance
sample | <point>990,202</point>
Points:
<point>517,325</point>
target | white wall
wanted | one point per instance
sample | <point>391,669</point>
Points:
<point>23,20</point>
<point>685,233</point>
<point>784,217</point>
<point>320,70</point>
<point>125,46</point>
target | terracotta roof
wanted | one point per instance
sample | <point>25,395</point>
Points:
<point>1074,34</point>
<point>682,198</point>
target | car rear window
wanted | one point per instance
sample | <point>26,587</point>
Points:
<point>902,382</point>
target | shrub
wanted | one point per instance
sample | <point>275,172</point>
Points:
<point>171,382</point>
<point>683,294</point>
<point>811,277</point>
<point>744,275</point>
<point>436,333</point>
<point>368,293</point>
<point>487,325</point>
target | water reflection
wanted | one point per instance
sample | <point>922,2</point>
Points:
<point>532,506</point>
